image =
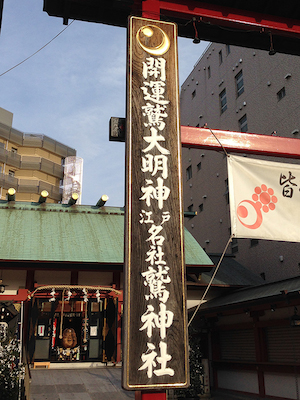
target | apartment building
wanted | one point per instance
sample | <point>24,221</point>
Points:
<point>30,163</point>
<point>245,90</point>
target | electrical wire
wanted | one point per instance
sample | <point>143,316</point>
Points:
<point>26,59</point>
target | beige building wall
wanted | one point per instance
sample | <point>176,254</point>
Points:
<point>30,163</point>
<point>205,172</point>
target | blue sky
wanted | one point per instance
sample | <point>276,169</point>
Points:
<point>71,88</point>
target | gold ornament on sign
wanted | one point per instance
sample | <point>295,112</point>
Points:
<point>153,40</point>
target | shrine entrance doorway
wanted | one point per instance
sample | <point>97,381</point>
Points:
<point>74,330</point>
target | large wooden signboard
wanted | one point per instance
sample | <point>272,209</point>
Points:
<point>155,329</point>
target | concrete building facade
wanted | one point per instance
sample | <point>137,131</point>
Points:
<point>30,163</point>
<point>245,90</point>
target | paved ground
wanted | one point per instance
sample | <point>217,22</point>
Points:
<point>78,384</point>
<point>88,384</point>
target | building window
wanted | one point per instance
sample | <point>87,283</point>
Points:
<point>243,124</point>
<point>191,208</point>
<point>14,150</point>
<point>281,94</point>
<point>189,173</point>
<point>239,83</point>
<point>201,207</point>
<point>227,49</point>
<point>11,173</point>
<point>223,101</point>
<point>220,57</point>
<point>193,94</point>
<point>208,72</point>
<point>199,166</point>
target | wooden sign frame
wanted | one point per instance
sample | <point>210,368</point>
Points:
<point>155,344</point>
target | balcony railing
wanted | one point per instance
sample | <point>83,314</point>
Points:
<point>42,164</point>
<point>35,140</point>
<point>31,163</point>
<point>7,181</point>
<point>30,186</point>
<point>10,158</point>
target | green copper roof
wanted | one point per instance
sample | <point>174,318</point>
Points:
<point>62,233</point>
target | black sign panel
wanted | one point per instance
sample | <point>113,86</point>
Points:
<point>155,329</point>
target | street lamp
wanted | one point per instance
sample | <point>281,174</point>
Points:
<point>11,194</point>
<point>102,201</point>
<point>43,196</point>
<point>73,199</point>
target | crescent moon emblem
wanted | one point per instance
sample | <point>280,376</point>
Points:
<point>159,50</point>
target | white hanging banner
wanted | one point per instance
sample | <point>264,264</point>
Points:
<point>264,199</point>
